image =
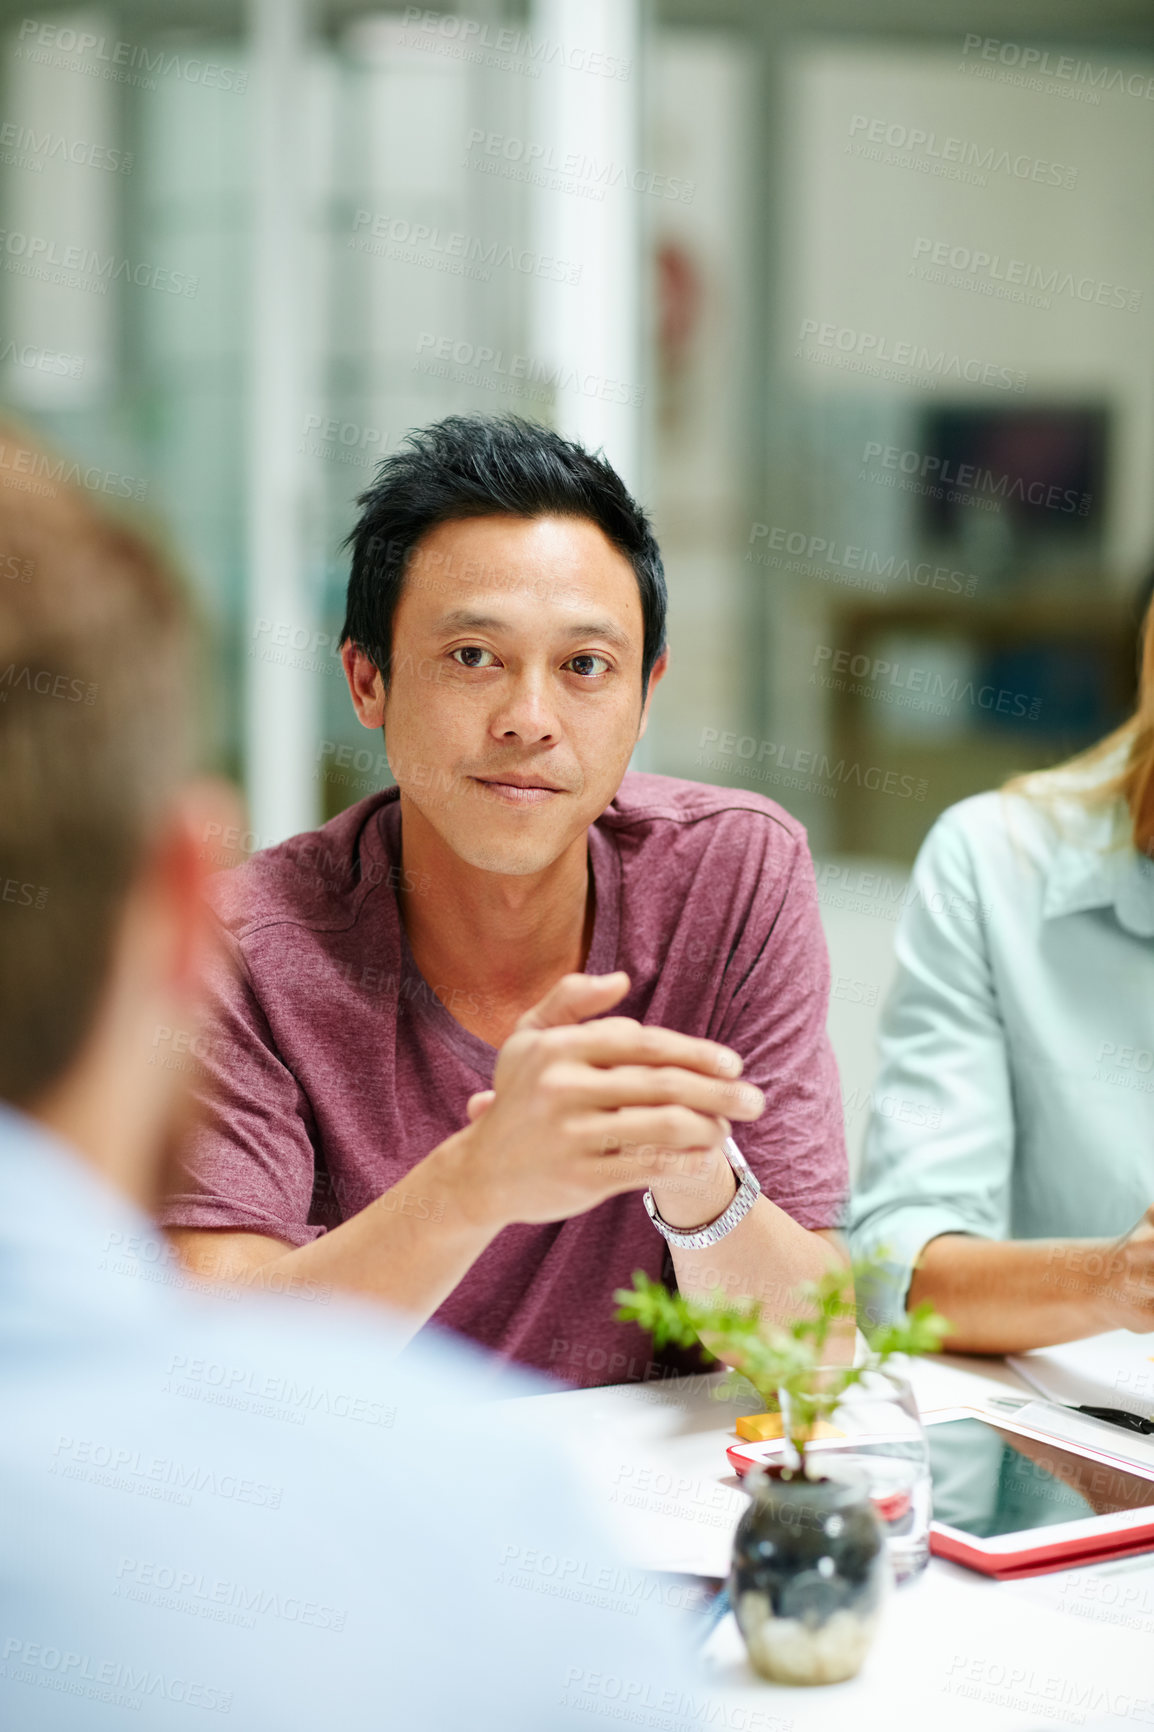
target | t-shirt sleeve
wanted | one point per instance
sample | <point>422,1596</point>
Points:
<point>248,1161</point>
<point>776,1021</point>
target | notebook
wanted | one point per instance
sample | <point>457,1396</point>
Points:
<point>1113,1370</point>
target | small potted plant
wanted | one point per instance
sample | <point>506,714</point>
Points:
<point>810,1567</point>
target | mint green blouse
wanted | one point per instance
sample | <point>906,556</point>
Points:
<point>1015,1097</point>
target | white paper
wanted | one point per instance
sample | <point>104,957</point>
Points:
<point>1066,1426</point>
<point>1113,1370</point>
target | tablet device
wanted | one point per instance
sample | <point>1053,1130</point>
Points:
<point>1010,1501</point>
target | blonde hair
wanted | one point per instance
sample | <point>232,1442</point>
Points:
<point>1131,745</point>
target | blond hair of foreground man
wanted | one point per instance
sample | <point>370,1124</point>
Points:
<point>1019,1040</point>
<point>220,1502</point>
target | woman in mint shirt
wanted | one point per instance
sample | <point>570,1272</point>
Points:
<point>1020,1027</point>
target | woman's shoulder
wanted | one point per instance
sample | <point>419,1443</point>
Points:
<point>985,827</point>
<point>994,851</point>
<point>1034,817</point>
<point>1052,842</point>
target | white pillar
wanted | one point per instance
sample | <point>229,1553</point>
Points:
<point>582,106</point>
<point>282,699</point>
<point>66,205</point>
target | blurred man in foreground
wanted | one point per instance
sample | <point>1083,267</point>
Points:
<point>222,1503</point>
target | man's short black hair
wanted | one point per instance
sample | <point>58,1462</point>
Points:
<point>486,466</point>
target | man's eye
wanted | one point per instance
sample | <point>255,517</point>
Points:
<point>585,665</point>
<point>470,656</point>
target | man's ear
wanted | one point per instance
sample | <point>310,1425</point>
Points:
<point>185,854</point>
<point>366,687</point>
<point>658,672</point>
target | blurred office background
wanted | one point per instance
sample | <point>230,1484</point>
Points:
<point>857,297</point>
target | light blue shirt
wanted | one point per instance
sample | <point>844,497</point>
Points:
<point>253,1512</point>
<point>1015,1097</point>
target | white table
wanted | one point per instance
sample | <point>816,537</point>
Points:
<point>956,1649</point>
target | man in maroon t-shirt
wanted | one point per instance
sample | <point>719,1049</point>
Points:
<point>413,1086</point>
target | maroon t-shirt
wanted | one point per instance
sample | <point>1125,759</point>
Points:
<point>332,1067</point>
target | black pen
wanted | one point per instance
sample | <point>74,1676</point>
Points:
<point>1109,1415</point>
<point>1119,1416</point>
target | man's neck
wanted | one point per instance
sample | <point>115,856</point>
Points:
<point>122,1109</point>
<point>491,944</point>
<point>111,1118</point>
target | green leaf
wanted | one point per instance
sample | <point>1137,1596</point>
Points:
<point>780,1358</point>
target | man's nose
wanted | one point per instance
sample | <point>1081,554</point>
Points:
<point>526,713</point>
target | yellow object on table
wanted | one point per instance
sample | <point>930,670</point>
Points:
<point>762,1427</point>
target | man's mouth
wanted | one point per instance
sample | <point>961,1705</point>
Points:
<point>516,790</point>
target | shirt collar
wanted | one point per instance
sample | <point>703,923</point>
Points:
<point>1096,865</point>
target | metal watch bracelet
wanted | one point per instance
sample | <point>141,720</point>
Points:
<point>700,1238</point>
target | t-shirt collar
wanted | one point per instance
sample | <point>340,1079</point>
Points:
<point>605,864</point>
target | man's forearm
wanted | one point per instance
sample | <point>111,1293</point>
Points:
<point>767,1256</point>
<point>1006,1296</point>
<point>409,1248</point>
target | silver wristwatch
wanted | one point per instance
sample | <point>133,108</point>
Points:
<point>699,1238</point>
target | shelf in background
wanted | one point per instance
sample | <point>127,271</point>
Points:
<point>949,696</point>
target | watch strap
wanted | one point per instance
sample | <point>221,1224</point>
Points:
<point>700,1238</point>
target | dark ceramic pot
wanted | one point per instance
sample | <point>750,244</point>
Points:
<point>809,1575</point>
